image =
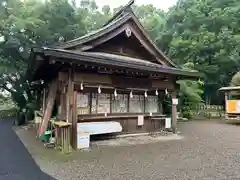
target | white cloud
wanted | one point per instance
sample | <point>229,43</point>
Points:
<point>161,4</point>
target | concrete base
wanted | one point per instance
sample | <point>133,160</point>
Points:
<point>134,139</point>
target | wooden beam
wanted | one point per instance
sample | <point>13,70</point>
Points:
<point>92,78</point>
<point>49,106</point>
<point>161,85</point>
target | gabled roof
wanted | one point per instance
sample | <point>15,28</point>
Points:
<point>230,88</point>
<point>94,34</point>
<point>111,60</point>
<point>121,18</point>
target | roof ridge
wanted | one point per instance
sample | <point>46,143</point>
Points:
<point>121,11</point>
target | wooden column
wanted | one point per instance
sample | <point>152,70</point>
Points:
<point>174,114</point>
<point>71,108</point>
<point>226,98</point>
<point>69,96</point>
<point>74,121</point>
<point>60,113</point>
<point>39,97</point>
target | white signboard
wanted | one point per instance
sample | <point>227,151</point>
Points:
<point>238,106</point>
<point>175,101</point>
<point>168,123</point>
<point>83,140</point>
<point>140,120</point>
<point>94,128</point>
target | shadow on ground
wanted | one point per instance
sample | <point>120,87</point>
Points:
<point>15,161</point>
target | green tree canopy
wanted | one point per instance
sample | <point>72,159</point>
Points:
<point>200,35</point>
<point>205,33</point>
<point>235,80</point>
<point>29,23</point>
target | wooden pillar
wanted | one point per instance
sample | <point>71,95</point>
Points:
<point>74,121</point>
<point>69,96</point>
<point>39,97</point>
<point>226,98</point>
<point>61,105</point>
<point>71,108</point>
<point>174,113</point>
<point>59,111</point>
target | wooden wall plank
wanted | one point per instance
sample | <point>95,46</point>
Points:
<point>163,84</point>
<point>92,78</point>
<point>121,81</point>
<point>63,76</point>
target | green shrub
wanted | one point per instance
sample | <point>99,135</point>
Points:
<point>187,112</point>
<point>189,97</point>
<point>12,112</point>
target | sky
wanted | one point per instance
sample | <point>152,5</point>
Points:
<point>161,4</point>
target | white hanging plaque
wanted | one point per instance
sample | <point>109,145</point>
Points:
<point>238,107</point>
<point>175,101</point>
<point>140,120</point>
<point>168,123</point>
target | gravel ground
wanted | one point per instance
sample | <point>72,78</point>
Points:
<point>209,150</point>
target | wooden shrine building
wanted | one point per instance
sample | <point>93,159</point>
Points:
<point>113,74</point>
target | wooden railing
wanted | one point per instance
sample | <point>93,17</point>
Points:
<point>209,111</point>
